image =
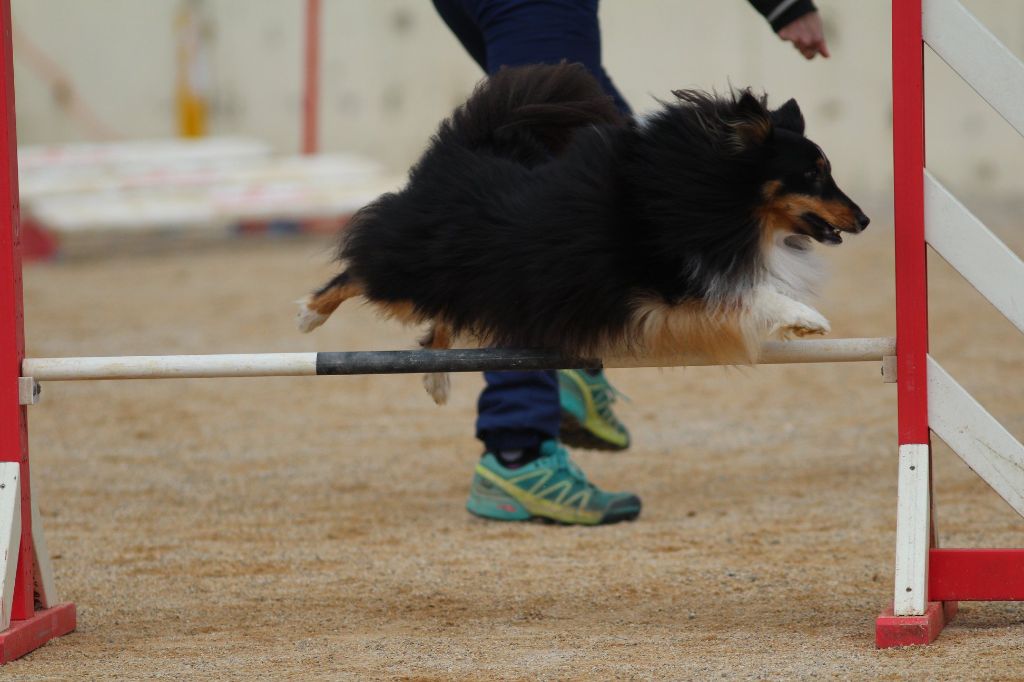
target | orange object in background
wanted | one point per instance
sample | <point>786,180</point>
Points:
<point>191,114</point>
<point>193,80</point>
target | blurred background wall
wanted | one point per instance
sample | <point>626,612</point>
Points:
<point>391,70</point>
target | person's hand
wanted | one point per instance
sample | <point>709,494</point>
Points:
<point>807,35</point>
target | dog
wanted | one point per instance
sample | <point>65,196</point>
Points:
<point>541,217</point>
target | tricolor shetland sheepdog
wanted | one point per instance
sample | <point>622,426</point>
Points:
<point>540,217</point>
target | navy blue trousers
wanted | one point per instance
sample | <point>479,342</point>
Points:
<point>521,409</point>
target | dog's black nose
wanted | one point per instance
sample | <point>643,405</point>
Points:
<point>862,220</point>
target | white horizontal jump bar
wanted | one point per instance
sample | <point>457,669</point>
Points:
<point>782,353</point>
<point>370,362</point>
<point>171,366</point>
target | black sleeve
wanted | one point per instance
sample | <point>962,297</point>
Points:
<point>780,12</point>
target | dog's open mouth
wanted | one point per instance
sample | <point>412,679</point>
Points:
<point>822,230</point>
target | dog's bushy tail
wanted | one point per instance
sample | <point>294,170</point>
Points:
<point>528,113</point>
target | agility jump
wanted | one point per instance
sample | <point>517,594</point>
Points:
<point>928,581</point>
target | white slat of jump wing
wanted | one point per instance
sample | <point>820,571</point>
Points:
<point>972,51</point>
<point>910,595</point>
<point>10,536</point>
<point>46,587</point>
<point>977,254</point>
<point>982,442</point>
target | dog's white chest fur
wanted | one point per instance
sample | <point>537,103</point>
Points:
<point>793,275</point>
<point>793,268</point>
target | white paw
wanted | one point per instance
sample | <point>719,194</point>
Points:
<point>803,320</point>
<point>308,319</point>
<point>438,385</point>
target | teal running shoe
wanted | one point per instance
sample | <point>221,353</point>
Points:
<point>587,417</point>
<point>551,487</point>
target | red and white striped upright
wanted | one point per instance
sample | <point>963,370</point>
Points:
<point>930,581</point>
<point>24,567</point>
<point>911,616</point>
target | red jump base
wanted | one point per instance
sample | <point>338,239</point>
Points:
<point>893,630</point>
<point>26,635</point>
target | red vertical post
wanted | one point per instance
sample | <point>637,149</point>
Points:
<point>311,94</point>
<point>13,416</point>
<point>911,322</point>
<point>911,255</point>
<point>29,628</point>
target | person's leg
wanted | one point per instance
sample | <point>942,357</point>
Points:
<point>519,32</point>
<point>516,412</point>
<point>454,13</point>
<point>531,32</point>
<point>525,472</point>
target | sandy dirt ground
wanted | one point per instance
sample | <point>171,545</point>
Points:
<point>314,528</point>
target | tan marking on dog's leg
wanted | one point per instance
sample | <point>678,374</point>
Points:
<point>438,384</point>
<point>316,308</point>
<point>725,335</point>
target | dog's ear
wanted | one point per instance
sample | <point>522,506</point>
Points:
<point>788,117</point>
<point>752,124</point>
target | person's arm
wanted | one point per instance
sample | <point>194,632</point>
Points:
<point>796,21</point>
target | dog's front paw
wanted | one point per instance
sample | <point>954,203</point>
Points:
<point>804,321</point>
<point>438,385</point>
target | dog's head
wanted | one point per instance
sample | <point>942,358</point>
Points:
<point>798,193</point>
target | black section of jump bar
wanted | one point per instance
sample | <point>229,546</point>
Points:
<point>462,360</point>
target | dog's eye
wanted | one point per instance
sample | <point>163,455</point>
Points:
<point>811,175</point>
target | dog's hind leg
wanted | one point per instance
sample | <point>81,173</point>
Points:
<point>438,384</point>
<point>318,306</point>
